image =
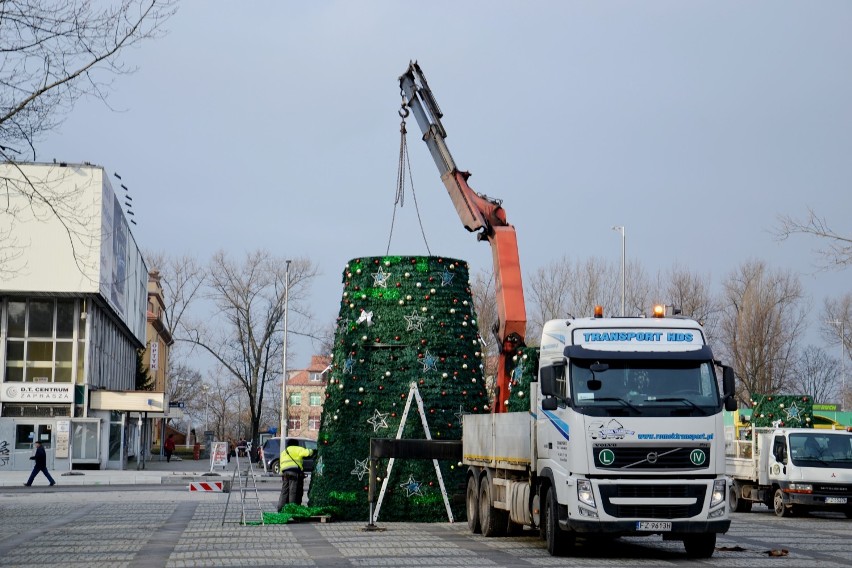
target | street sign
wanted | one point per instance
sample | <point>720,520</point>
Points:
<point>177,405</point>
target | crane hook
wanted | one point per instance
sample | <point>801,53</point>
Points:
<point>403,113</point>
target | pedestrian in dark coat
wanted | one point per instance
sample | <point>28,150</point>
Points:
<point>40,458</point>
<point>169,447</point>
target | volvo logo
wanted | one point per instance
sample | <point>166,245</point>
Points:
<point>651,457</point>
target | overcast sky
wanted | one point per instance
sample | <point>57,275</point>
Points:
<point>693,124</point>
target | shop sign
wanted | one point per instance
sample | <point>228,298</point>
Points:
<point>42,392</point>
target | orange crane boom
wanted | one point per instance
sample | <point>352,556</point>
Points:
<point>478,212</point>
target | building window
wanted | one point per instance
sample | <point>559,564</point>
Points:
<point>316,399</point>
<point>40,341</point>
<point>316,377</point>
<point>314,423</point>
<point>294,423</point>
<point>295,399</point>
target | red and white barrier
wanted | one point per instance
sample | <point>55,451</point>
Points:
<point>217,486</point>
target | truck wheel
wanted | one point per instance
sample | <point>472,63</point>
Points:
<point>558,541</point>
<point>275,467</point>
<point>700,545</point>
<point>492,521</point>
<point>472,501</point>
<point>736,502</point>
<point>778,505</point>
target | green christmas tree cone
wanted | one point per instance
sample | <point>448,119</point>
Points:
<point>403,320</point>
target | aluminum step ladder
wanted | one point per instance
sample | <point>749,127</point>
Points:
<point>243,481</point>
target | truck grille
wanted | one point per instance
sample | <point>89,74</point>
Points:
<point>653,511</point>
<point>833,489</point>
<point>651,457</point>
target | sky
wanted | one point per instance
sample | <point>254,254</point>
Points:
<point>273,124</point>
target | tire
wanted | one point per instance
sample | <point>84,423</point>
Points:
<point>781,510</point>
<point>492,521</point>
<point>274,467</point>
<point>472,503</point>
<point>735,501</point>
<point>701,545</point>
<point>558,541</point>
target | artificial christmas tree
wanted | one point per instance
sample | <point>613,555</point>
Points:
<point>405,322</point>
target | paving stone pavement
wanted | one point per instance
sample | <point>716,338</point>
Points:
<point>172,527</point>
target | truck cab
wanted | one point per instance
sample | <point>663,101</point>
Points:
<point>630,435</point>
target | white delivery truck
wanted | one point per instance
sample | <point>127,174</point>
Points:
<point>624,436</point>
<point>791,470</point>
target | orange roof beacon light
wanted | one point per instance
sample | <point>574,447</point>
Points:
<point>598,311</point>
<point>659,311</point>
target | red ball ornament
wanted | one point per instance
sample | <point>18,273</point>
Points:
<point>426,297</point>
<point>422,342</point>
<point>381,387</point>
<point>431,411</point>
<point>398,284</point>
<point>422,381</point>
<point>443,393</point>
<point>443,359</point>
<point>393,414</point>
<point>464,393</point>
<point>402,396</point>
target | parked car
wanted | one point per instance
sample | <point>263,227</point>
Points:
<point>270,453</point>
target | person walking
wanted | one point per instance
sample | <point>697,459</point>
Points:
<point>292,473</point>
<point>40,458</point>
<point>169,447</point>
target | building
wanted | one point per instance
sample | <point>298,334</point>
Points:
<point>156,357</point>
<point>305,397</point>
<point>73,298</point>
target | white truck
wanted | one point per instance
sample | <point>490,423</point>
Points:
<point>791,470</point>
<point>624,436</point>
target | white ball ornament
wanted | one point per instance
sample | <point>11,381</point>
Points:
<point>346,401</point>
<point>464,366</point>
<point>363,338</point>
<point>520,394</point>
<point>387,373</point>
<point>445,375</point>
<point>423,309</point>
<point>387,263</point>
<point>360,389</point>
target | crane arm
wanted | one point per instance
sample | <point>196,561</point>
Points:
<point>477,212</point>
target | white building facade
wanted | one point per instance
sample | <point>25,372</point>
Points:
<point>73,299</point>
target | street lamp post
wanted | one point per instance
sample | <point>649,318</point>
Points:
<point>620,228</point>
<point>839,324</point>
<point>284,410</point>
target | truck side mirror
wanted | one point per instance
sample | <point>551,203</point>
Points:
<point>728,388</point>
<point>548,377</point>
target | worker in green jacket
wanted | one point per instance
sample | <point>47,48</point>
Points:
<point>292,473</point>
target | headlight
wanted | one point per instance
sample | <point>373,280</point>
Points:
<point>584,492</point>
<point>800,488</point>
<point>718,496</point>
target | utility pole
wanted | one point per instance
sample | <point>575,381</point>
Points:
<point>839,324</point>
<point>620,228</point>
<point>284,409</point>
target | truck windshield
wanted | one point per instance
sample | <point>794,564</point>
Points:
<point>821,449</point>
<point>644,387</point>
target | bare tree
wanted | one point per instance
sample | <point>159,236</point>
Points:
<point>54,53</point>
<point>762,321</point>
<point>836,250</point>
<point>564,288</point>
<point>690,292</point>
<point>816,374</point>
<point>57,51</point>
<point>245,336</point>
<point>836,329</point>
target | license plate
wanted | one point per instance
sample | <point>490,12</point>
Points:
<point>653,526</point>
<point>835,500</point>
